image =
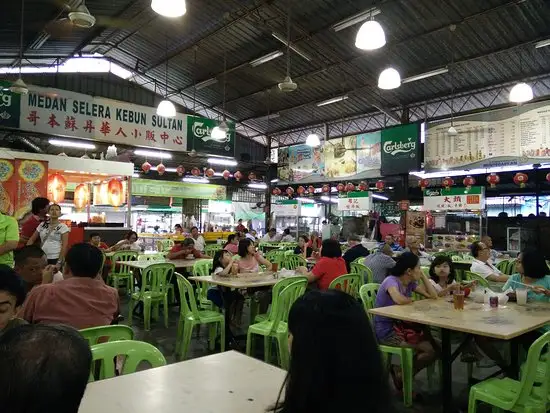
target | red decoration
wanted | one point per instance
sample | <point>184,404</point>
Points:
<point>404,205</point>
<point>56,188</point>
<point>238,176</point>
<point>326,189</point>
<point>276,191</point>
<point>226,174</point>
<point>469,181</point>
<point>311,190</point>
<point>448,182</point>
<point>380,185</point>
<point>209,173</point>
<point>521,179</point>
<point>341,187</point>
<point>548,177</point>
<point>115,192</point>
<point>195,171</point>
<point>161,168</point>
<point>81,196</point>
<point>493,180</point>
<point>180,170</point>
<point>350,187</point>
<point>423,183</point>
<point>146,167</point>
<point>363,186</point>
<point>300,190</point>
<point>289,191</point>
<point>251,176</point>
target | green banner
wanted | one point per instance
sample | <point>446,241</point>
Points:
<point>400,149</point>
<point>199,137</point>
<point>474,190</point>
<point>147,187</point>
<point>357,194</point>
<point>10,106</point>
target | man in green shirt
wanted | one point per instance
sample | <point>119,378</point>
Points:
<point>9,237</point>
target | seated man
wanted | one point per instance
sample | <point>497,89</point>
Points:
<point>44,369</point>
<point>12,296</point>
<point>380,263</point>
<point>81,300</point>
<point>95,240</point>
<point>182,249</point>
<point>482,263</point>
<point>32,266</point>
<point>390,240</point>
<point>355,251</point>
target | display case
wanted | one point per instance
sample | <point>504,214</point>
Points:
<point>517,238</point>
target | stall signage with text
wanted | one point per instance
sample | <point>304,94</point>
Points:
<point>147,187</point>
<point>355,201</point>
<point>400,149</point>
<point>454,199</point>
<point>286,208</point>
<point>199,132</point>
<point>10,106</point>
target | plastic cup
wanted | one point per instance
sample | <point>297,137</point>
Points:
<point>275,267</point>
<point>458,300</point>
<point>521,296</point>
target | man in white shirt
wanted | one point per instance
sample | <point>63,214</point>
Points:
<point>487,240</point>
<point>198,238</point>
<point>482,266</point>
<point>271,236</point>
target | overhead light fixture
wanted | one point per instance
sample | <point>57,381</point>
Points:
<point>196,180</point>
<point>382,197</point>
<point>135,175</point>
<point>169,8</point>
<point>206,83</point>
<point>333,100</point>
<point>329,199</point>
<point>313,140</point>
<point>166,109</point>
<point>452,131</point>
<point>274,180</point>
<point>19,87</point>
<point>305,200</point>
<point>426,75</point>
<point>71,144</point>
<point>542,43</point>
<point>356,18</point>
<point>257,186</point>
<point>389,79</point>
<point>153,154</point>
<point>154,168</point>
<point>219,132</point>
<point>521,93</point>
<point>222,161</point>
<point>267,58</point>
<point>370,36</point>
<point>292,47</point>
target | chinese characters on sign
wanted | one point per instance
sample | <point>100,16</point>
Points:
<point>454,199</point>
<point>355,201</point>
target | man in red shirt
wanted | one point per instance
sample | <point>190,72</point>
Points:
<point>240,227</point>
<point>39,207</point>
<point>182,249</point>
<point>95,240</point>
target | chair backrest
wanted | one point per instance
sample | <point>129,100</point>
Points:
<point>293,261</point>
<point>472,276</point>
<point>364,271</point>
<point>503,266</point>
<point>202,268</point>
<point>368,293</point>
<point>284,295</point>
<point>104,258</point>
<point>188,302</point>
<point>359,260</point>
<point>425,271</point>
<point>349,283</point>
<point>134,353</point>
<point>456,258</point>
<point>102,334</point>
<point>151,257</point>
<point>276,257</point>
<point>164,245</point>
<point>156,277</point>
<point>211,249</point>
<point>118,256</point>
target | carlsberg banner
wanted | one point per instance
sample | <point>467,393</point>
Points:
<point>400,149</point>
<point>199,137</point>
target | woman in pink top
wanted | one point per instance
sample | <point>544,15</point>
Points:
<point>232,244</point>
<point>250,259</point>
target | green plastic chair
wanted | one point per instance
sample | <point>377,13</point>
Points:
<point>104,258</point>
<point>211,249</point>
<point>526,395</point>
<point>277,288</point>
<point>155,280</point>
<point>191,316</point>
<point>95,335</point>
<point>122,272</point>
<point>276,257</point>
<point>203,268</point>
<point>275,327</point>
<point>293,261</point>
<point>367,293</point>
<point>364,271</point>
<point>134,353</point>
<point>426,271</point>
<point>164,245</point>
<point>457,258</point>
<point>349,283</point>
<point>472,276</point>
<point>503,266</point>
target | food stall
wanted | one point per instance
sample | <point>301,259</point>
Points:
<point>300,216</point>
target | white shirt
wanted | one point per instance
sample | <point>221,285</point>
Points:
<point>250,237</point>
<point>268,238</point>
<point>199,243</point>
<point>439,288</point>
<point>51,244</point>
<point>288,238</point>
<point>484,269</point>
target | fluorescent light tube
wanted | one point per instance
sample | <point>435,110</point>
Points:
<point>206,83</point>
<point>426,75</point>
<point>267,58</point>
<point>257,186</point>
<point>222,161</point>
<point>542,43</point>
<point>356,18</point>
<point>382,197</point>
<point>71,144</point>
<point>153,154</point>
<point>292,47</point>
<point>195,180</point>
<point>333,100</point>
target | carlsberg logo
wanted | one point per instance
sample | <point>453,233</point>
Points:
<point>393,148</point>
<point>199,130</point>
<point>432,192</point>
<point>5,99</point>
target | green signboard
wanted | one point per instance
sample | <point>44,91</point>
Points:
<point>148,187</point>
<point>199,137</point>
<point>10,106</point>
<point>400,149</point>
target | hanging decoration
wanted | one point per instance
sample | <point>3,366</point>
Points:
<point>521,179</point>
<point>341,187</point>
<point>468,182</point>
<point>161,168</point>
<point>363,186</point>
<point>276,191</point>
<point>493,179</point>
<point>423,183</point>
<point>226,174</point>
<point>146,167</point>
<point>238,176</point>
<point>380,185</point>
<point>326,189</point>
<point>209,173</point>
<point>548,177</point>
<point>350,187</point>
<point>251,176</point>
<point>56,188</point>
<point>311,190</point>
<point>195,171</point>
<point>180,170</point>
<point>115,192</point>
<point>290,191</point>
<point>81,196</point>
<point>448,182</point>
<point>300,190</point>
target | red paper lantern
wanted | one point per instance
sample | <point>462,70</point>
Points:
<point>380,185</point>
<point>350,187</point>
<point>363,186</point>
<point>404,205</point>
<point>209,173</point>
<point>115,192</point>
<point>521,179</point>
<point>493,179</point>
<point>81,196</point>
<point>251,176</point>
<point>238,176</point>
<point>161,168</point>
<point>180,170</point>
<point>341,187</point>
<point>195,171</point>
<point>146,167</point>
<point>448,182</point>
<point>300,190</point>
<point>311,190</point>
<point>548,177</point>
<point>56,188</point>
<point>326,189</point>
<point>276,191</point>
<point>289,191</point>
<point>423,183</point>
<point>226,174</point>
<point>469,181</point>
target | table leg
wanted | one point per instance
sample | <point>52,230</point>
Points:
<point>447,371</point>
<point>514,358</point>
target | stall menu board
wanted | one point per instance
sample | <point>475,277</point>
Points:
<point>148,187</point>
<point>512,136</point>
<point>286,208</point>
<point>355,201</point>
<point>416,225</point>
<point>454,199</point>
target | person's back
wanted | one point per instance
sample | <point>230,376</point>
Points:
<point>380,263</point>
<point>44,369</point>
<point>356,250</point>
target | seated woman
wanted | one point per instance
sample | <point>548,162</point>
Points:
<point>442,275</point>
<point>303,249</point>
<point>314,242</point>
<point>331,265</point>
<point>335,363</point>
<point>398,289</point>
<point>532,275</point>
<point>129,243</point>
<point>250,258</point>
<point>232,244</point>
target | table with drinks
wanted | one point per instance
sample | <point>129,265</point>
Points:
<point>458,313</point>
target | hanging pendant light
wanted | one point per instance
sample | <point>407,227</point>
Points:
<point>452,130</point>
<point>370,36</point>
<point>521,93</point>
<point>19,86</point>
<point>169,8</point>
<point>389,79</point>
<point>166,108</point>
<point>313,140</point>
<point>218,134</point>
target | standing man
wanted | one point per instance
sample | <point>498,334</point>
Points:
<point>240,226</point>
<point>198,238</point>
<point>39,208</point>
<point>9,236</point>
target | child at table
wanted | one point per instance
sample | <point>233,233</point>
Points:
<point>442,276</point>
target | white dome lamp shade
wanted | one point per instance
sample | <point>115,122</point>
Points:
<point>370,36</point>
<point>166,109</point>
<point>218,133</point>
<point>389,79</point>
<point>521,93</point>
<point>313,140</point>
<point>452,131</point>
<point>169,8</point>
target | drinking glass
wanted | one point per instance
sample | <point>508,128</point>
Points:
<point>458,300</point>
<point>521,296</point>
